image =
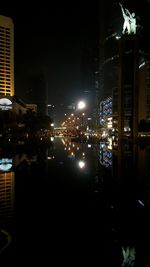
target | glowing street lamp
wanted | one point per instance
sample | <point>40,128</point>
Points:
<point>81,164</point>
<point>81,105</point>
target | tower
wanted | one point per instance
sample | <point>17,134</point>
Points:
<point>128,89</point>
<point>6,56</point>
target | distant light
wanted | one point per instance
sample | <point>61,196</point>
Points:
<point>49,105</point>
<point>52,138</point>
<point>81,105</point>
<point>110,143</point>
<point>81,164</point>
<point>117,37</point>
<point>52,124</point>
<point>141,203</point>
<point>142,65</point>
<point>50,157</point>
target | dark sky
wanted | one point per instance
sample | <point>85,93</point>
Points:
<point>51,39</point>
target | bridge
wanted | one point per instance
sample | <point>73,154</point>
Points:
<point>63,131</point>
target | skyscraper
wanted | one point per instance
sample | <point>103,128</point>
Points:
<point>6,56</point>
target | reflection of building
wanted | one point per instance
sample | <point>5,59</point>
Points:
<point>7,185</point>
<point>105,155</point>
<point>19,159</point>
<point>135,160</point>
<point>5,164</point>
<point>6,56</point>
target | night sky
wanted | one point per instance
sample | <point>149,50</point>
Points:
<point>51,41</point>
<point>56,45</point>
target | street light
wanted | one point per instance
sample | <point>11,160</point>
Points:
<point>81,164</point>
<point>81,105</point>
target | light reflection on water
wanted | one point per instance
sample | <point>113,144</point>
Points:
<point>76,192</point>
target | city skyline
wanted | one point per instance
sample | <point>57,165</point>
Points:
<point>60,44</point>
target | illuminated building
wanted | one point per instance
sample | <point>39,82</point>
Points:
<point>105,111</point>
<point>9,102</point>
<point>124,73</point>
<point>6,56</point>
<point>110,29</point>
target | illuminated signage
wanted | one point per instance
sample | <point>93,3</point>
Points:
<point>5,164</point>
<point>5,104</point>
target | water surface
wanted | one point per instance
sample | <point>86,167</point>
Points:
<point>75,203</point>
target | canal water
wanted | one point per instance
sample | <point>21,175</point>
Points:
<point>75,203</point>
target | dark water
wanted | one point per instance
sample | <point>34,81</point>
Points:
<point>74,204</point>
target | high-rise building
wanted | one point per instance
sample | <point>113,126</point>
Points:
<point>106,111</point>
<point>6,56</point>
<point>124,70</point>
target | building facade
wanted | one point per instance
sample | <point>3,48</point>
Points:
<point>106,112</point>
<point>6,56</point>
<point>124,74</point>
